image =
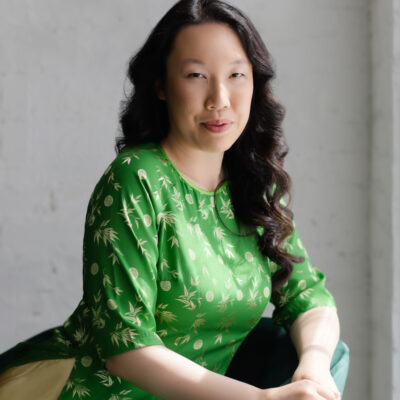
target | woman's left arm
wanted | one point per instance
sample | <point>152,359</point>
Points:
<point>307,310</point>
<point>315,335</point>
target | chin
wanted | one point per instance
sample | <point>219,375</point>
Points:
<point>220,147</point>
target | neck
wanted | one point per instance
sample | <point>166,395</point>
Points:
<point>204,169</point>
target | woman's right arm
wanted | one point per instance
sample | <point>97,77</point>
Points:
<point>170,376</point>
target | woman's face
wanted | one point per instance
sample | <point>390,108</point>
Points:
<point>209,78</point>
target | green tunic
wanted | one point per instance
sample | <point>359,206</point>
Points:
<point>159,267</point>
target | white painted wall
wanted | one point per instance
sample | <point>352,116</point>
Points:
<point>62,73</point>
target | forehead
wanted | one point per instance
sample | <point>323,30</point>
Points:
<point>209,41</point>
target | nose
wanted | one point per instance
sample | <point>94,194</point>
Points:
<point>218,97</point>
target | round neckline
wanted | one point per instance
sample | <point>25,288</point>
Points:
<point>183,177</point>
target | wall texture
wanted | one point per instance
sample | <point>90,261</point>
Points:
<point>322,54</point>
<point>62,75</point>
<point>385,199</point>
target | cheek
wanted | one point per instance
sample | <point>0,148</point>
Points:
<point>243,101</point>
<point>184,96</point>
<point>249,95</point>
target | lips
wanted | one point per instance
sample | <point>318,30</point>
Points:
<point>218,122</point>
<point>218,125</point>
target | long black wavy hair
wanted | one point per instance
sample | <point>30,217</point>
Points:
<point>254,163</point>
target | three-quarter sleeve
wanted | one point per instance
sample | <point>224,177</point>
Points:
<point>305,288</point>
<point>120,261</point>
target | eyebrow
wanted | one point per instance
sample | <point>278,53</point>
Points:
<point>197,61</point>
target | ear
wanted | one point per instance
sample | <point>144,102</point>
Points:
<point>159,90</point>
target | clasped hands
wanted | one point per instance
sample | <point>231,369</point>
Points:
<point>312,379</point>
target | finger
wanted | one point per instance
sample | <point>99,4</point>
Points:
<point>325,398</point>
<point>317,391</point>
<point>327,394</point>
<point>325,386</point>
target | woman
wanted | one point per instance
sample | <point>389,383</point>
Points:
<point>187,238</point>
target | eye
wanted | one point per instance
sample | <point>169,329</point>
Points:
<point>237,73</point>
<point>192,75</point>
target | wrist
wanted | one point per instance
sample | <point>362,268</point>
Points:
<point>317,348</point>
<point>316,356</point>
<point>266,394</point>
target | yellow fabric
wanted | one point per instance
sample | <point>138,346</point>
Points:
<point>42,380</point>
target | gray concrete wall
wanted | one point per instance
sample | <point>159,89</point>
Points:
<point>322,55</point>
<point>61,79</point>
<point>385,199</point>
<point>396,203</point>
